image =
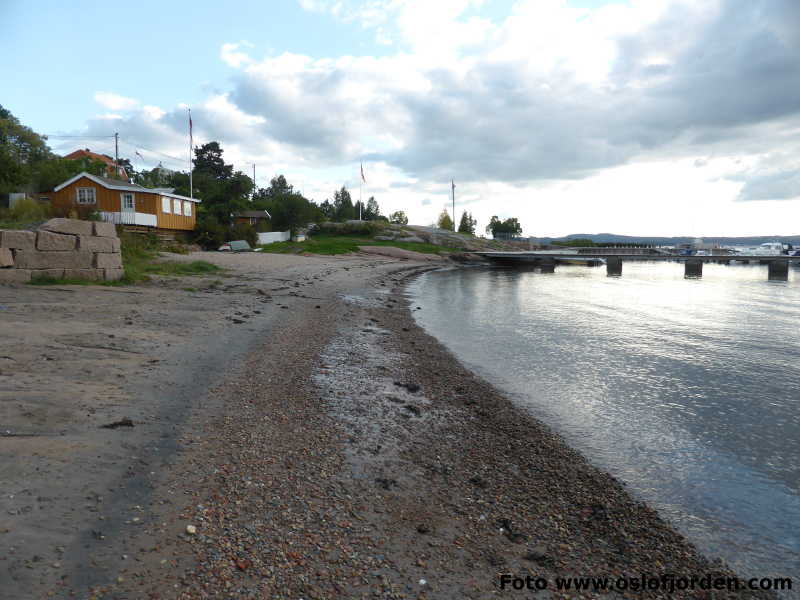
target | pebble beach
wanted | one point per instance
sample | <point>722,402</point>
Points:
<point>341,452</point>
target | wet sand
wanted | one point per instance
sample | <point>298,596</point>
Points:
<point>317,442</point>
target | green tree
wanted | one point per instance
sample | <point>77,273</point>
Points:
<point>398,218</point>
<point>444,221</point>
<point>508,228</point>
<point>223,192</point>
<point>343,209</point>
<point>467,224</point>
<point>57,170</point>
<point>373,211</point>
<point>21,151</point>
<point>289,209</point>
<point>327,210</point>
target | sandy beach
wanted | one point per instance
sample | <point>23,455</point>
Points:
<point>285,430</point>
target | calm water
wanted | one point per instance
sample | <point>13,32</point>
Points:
<point>687,390</point>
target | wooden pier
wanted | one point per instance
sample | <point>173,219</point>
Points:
<point>777,266</point>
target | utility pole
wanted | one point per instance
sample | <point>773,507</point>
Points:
<point>453,183</point>
<point>254,182</point>
<point>116,150</point>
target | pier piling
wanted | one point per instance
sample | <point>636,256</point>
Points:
<point>548,265</point>
<point>693,269</point>
<point>613,267</point>
<point>778,270</point>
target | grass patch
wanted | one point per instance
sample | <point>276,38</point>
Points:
<point>196,267</point>
<point>338,244</point>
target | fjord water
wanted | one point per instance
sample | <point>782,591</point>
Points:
<point>686,390</point>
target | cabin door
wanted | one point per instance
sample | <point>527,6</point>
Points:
<point>128,203</point>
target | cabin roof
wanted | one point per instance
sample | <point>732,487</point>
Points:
<point>254,214</point>
<point>116,184</point>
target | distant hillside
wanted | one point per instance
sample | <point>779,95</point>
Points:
<point>672,241</point>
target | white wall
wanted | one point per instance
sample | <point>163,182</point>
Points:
<point>269,237</point>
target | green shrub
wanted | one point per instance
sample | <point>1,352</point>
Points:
<point>368,228</point>
<point>28,209</point>
<point>243,232</point>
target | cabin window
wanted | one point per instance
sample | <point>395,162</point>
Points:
<point>176,207</point>
<point>127,202</point>
<point>86,195</point>
<point>187,209</point>
<point>165,205</point>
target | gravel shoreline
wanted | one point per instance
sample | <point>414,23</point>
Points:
<point>366,462</point>
<point>344,454</point>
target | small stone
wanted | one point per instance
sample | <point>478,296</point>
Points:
<point>537,553</point>
<point>191,529</point>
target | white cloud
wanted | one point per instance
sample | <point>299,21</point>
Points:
<point>547,114</point>
<point>113,101</point>
<point>231,54</point>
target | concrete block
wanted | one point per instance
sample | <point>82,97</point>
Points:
<point>114,274</point>
<point>116,245</point>
<point>36,259</point>
<point>91,243</point>
<point>70,226</point>
<point>103,229</point>
<point>15,275</point>
<point>88,274</point>
<point>47,240</point>
<point>6,258</point>
<point>54,273</point>
<point>20,240</point>
<point>108,261</point>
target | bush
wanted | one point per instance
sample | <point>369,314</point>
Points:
<point>244,232</point>
<point>369,228</point>
<point>209,233</point>
<point>28,209</point>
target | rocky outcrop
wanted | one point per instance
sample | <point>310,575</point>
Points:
<point>61,248</point>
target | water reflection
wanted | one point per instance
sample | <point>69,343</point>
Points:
<point>685,389</point>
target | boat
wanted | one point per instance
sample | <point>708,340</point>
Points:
<point>767,249</point>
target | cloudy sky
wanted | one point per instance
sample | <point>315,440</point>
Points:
<point>645,117</point>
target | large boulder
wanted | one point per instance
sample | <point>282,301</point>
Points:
<point>70,226</point>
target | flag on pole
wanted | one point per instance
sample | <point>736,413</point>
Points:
<point>364,179</point>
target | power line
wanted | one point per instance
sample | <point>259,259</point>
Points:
<point>85,137</point>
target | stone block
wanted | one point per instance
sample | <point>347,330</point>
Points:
<point>70,226</point>
<point>54,273</point>
<point>36,259</point>
<point>103,229</point>
<point>19,240</point>
<point>88,274</point>
<point>114,274</point>
<point>15,275</point>
<point>108,261</point>
<point>6,258</point>
<point>91,243</point>
<point>47,240</point>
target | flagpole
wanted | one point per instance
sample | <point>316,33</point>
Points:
<point>191,191</point>
<point>454,203</point>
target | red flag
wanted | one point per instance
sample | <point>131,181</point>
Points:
<point>364,179</point>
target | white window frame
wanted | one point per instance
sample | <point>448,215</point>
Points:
<point>90,195</point>
<point>166,205</point>
<point>176,206</point>
<point>122,200</point>
<point>187,209</point>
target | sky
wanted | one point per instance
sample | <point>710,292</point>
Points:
<point>637,117</point>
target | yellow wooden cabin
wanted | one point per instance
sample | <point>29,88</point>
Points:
<point>125,203</point>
